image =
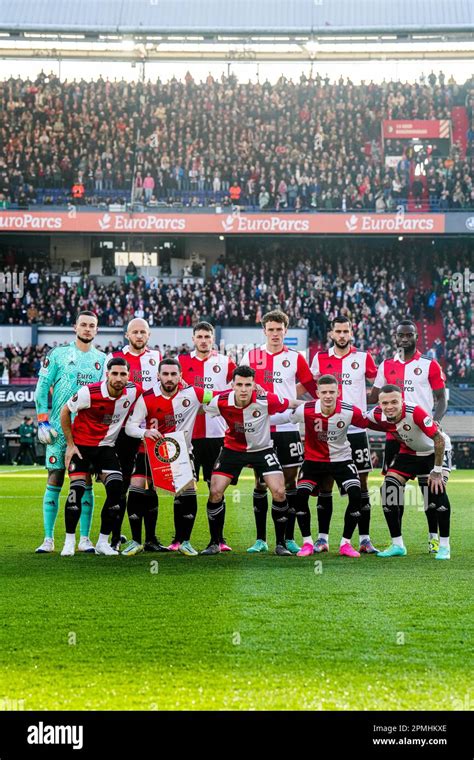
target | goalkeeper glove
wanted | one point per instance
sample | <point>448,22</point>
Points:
<point>46,433</point>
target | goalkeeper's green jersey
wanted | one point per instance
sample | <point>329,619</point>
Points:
<point>64,370</point>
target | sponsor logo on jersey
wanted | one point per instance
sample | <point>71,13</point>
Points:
<point>216,369</point>
<point>341,424</point>
<point>286,363</point>
<point>418,371</point>
<point>167,451</point>
<point>355,365</point>
<point>256,413</point>
<point>186,402</point>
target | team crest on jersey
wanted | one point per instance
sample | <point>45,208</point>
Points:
<point>407,427</point>
<point>167,451</point>
<point>152,362</point>
<point>46,362</point>
<point>97,365</point>
<point>286,363</point>
<point>418,371</point>
<point>126,403</point>
<point>355,365</point>
<point>72,467</point>
<point>52,460</point>
<point>216,369</point>
<point>428,421</point>
<point>256,413</point>
<point>341,424</point>
<point>186,402</point>
<point>75,397</point>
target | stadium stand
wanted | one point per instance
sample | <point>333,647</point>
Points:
<point>306,145</point>
<point>311,282</point>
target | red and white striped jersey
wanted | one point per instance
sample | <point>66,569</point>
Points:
<point>351,372</point>
<point>326,436</point>
<point>99,416</point>
<point>248,428</point>
<point>415,430</point>
<point>143,367</point>
<point>167,414</point>
<point>279,373</point>
<point>416,378</point>
<point>213,373</point>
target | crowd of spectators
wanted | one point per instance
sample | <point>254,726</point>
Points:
<point>309,144</point>
<point>311,283</point>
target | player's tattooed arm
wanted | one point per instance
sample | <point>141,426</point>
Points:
<point>441,404</point>
<point>71,449</point>
<point>435,479</point>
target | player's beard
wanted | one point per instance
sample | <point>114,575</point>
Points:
<point>136,347</point>
<point>84,340</point>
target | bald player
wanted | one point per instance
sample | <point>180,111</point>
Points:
<point>144,373</point>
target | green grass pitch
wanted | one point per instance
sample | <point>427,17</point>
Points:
<point>233,631</point>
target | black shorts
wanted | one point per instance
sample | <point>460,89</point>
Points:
<point>344,473</point>
<point>360,451</point>
<point>411,466</point>
<point>126,448</point>
<point>206,451</point>
<point>231,463</point>
<point>392,447</point>
<point>95,459</point>
<point>142,466</point>
<point>288,447</point>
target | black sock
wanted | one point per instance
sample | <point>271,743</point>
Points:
<point>442,509</point>
<point>73,510</point>
<point>260,508</point>
<point>364,519</point>
<point>111,509</point>
<point>352,514</point>
<point>430,506</point>
<point>292,506</point>
<point>215,516</point>
<point>185,515</point>
<point>393,493</point>
<point>135,510</point>
<point>221,537</point>
<point>118,523</point>
<point>324,510</point>
<point>302,508</point>
<point>279,517</point>
<point>150,515</point>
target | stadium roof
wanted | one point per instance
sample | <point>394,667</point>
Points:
<point>244,17</point>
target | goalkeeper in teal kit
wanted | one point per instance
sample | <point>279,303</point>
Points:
<point>63,372</point>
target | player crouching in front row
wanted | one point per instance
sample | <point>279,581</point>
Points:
<point>425,453</point>
<point>100,410</point>
<point>247,443</point>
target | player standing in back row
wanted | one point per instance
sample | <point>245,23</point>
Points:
<point>278,369</point>
<point>143,363</point>
<point>207,369</point>
<point>354,370</point>
<point>64,370</point>
<point>422,383</point>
